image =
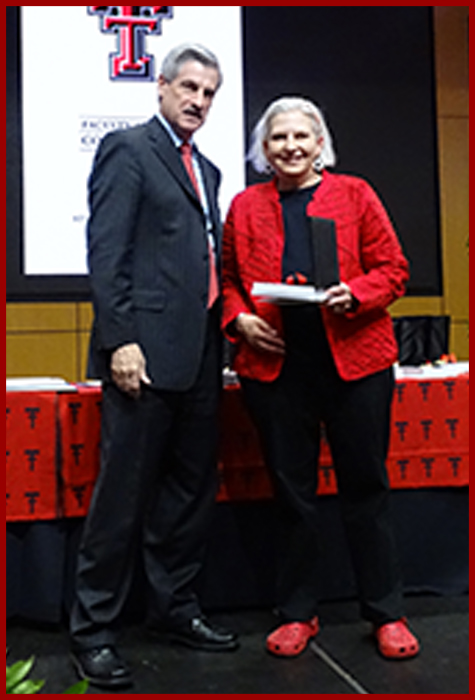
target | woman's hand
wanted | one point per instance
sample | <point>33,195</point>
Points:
<point>340,299</point>
<point>259,334</point>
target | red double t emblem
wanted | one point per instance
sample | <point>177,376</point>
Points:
<point>131,23</point>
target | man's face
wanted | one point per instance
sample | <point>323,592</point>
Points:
<point>186,100</point>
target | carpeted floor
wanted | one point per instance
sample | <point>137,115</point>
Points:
<point>341,660</point>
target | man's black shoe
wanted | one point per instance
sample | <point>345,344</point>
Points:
<point>103,667</point>
<point>198,633</point>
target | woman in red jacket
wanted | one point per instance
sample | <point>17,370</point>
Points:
<point>303,364</point>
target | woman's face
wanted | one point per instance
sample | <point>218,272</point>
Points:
<point>291,149</point>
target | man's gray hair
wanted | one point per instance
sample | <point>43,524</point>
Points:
<point>174,60</point>
<point>261,132</point>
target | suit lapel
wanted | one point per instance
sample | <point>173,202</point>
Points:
<point>164,148</point>
<point>209,178</point>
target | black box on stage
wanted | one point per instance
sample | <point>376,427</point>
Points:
<point>326,271</point>
<point>421,339</point>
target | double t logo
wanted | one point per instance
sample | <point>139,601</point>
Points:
<point>131,24</point>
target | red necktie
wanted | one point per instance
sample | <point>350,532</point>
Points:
<point>213,290</point>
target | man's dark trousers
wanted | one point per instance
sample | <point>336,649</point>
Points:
<point>152,496</point>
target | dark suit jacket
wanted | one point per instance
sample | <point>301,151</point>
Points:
<point>148,254</point>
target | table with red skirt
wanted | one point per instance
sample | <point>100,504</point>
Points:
<point>52,462</point>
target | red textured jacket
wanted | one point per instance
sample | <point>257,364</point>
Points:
<point>371,263</point>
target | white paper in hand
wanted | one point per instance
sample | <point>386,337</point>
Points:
<point>288,293</point>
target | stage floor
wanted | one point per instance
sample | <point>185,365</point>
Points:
<point>343,659</point>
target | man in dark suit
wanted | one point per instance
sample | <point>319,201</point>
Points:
<point>153,242</point>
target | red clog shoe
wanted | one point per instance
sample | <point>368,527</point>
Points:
<point>396,641</point>
<point>292,638</point>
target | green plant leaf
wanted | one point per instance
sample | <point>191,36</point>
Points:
<point>17,672</point>
<point>16,683</point>
<point>80,687</point>
<point>27,687</point>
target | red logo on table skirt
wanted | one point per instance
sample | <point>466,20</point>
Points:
<point>32,414</point>
<point>131,24</point>
<point>31,473</point>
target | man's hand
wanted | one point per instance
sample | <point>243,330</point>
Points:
<point>128,369</point>
<point>259,334</point>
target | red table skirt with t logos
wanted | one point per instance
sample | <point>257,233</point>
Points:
<point>53,444</point>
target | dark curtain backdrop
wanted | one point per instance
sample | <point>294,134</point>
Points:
<point>370,69</point>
